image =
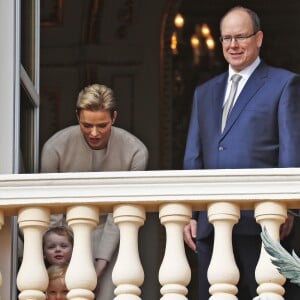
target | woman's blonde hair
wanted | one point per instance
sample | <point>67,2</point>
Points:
<point>96,97</point>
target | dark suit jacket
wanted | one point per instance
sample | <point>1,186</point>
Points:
<point>262,131</point>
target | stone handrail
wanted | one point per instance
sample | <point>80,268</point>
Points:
<point>129,195</point>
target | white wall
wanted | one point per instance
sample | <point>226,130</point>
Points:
<point>7,85</point>
<point>5,260</point>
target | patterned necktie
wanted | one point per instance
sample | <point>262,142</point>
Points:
<point>229,103</point>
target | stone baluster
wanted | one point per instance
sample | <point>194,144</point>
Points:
<point>81,277</point>
<point>32,279</point>
<point>270,215</point>
<point>175,272</point>
<point>1,224</point>
<point>223,273</point>
<point>128,273</point>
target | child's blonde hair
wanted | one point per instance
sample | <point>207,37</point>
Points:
<point>60,230</point>
<point>56,271</point>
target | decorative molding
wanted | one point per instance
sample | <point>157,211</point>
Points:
<point>50,111</point>
<point>124,86</point>
<point>152,188</point>
<point>93,21</point>
<point>166,84</point>
<point>125,18</point>
<point>89,74</point>
<point>52,13</point>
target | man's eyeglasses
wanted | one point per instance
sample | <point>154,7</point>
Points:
<point>237,38</point>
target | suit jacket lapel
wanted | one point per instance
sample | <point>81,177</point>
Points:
<point>254,83</point>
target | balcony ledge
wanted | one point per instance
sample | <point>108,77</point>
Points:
<point>150,188</point>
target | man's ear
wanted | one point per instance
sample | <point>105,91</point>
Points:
<point>114,117</point>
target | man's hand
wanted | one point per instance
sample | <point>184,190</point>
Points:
<point>190,234</point>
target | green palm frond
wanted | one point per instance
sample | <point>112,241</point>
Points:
<point>287,264</point>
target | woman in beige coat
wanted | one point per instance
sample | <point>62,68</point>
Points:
<point>96,145</point>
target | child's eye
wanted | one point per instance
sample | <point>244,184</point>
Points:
<point>52,293</point>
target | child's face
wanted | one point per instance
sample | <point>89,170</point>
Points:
<point>57,289</point>
<point>57,249</point>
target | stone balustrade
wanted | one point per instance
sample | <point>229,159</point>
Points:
<point>129,195</point>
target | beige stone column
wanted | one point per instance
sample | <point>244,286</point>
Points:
<point>175,272</point>
<point>1,224</point>
<point>81,277</point>
<point>32,279</point>
<point>128,273</point>
<point>269,215</point>
<point>223,274</point>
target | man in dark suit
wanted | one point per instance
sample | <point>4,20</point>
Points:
<point>262,130</point>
